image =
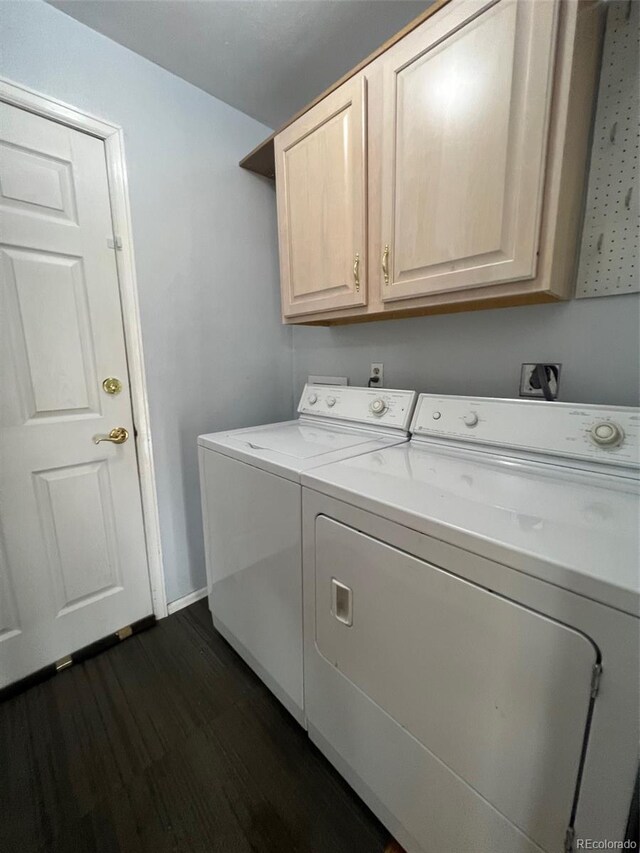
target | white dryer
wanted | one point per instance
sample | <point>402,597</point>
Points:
<point>251,507</point>
<point>471,624</point>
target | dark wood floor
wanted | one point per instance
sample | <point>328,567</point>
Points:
<point>168,742</point>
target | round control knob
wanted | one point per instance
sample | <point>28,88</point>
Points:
<point>436,416</point>
<point>606,434</point>
<point>470,419</point>
<point>331,401</point>
<point>313,399</point>
<point>378,407</point>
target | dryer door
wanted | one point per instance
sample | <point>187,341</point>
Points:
<point>476,707</point>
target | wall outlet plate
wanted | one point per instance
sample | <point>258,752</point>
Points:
<point>530,385</point>
<point>376,371</point>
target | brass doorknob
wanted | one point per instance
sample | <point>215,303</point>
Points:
<point>118,435</point>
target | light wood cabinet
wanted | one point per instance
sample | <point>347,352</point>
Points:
<point>322,204</point>
<point>453,165</point>
<point>465,109</point>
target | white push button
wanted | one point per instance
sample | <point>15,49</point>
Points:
<point>604,431</point>
<point>436,416</point>
<point>607,434</point>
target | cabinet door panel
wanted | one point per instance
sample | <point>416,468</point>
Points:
<point>320,180</point>
<point>465,120</point>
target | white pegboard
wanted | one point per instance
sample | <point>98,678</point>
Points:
<point>611,235</point>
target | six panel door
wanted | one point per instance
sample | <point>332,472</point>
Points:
<point>465,117</point>
<point>321,191</point>
<point>73,563</point>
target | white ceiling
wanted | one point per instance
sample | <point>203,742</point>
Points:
<point>267,58</point>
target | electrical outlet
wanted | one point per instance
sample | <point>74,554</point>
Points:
<point>376,375</point>
<point>530,384</point>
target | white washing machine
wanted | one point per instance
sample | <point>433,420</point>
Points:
<point>471,604</point>
<point>251,507</point>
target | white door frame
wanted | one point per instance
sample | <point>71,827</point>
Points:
<point>112,136</point>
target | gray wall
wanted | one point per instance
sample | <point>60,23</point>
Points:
<point>205,241</point>
<point>596,340</point>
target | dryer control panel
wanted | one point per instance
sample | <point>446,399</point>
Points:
<point>377,407</point>
<point>607,434</point>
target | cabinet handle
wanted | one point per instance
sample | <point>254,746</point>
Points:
<point>356,272</point>
<point>385,264</point>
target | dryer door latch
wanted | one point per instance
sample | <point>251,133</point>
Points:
<point>342,602</point>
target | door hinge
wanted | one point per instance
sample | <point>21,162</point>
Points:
<point>63,663</point>
<point>114,242</point>
<point>125,632</point>
<point>596,674</point>
<point>569,838</point>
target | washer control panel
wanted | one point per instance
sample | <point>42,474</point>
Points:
<point>599,433</point>
<point>374,406</point>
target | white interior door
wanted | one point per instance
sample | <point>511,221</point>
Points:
<point>73,564</point>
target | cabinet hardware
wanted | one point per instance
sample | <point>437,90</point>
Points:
<point>356,272</point>
<point>385,264</point>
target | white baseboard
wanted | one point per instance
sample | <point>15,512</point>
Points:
<point>186,600</point>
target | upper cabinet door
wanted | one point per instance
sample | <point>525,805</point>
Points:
<point>321,192</point>
<point>465,120</point>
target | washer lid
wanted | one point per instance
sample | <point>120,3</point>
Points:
<point>290,447</point>
<point>576,529</point>
<point>299,441</point>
